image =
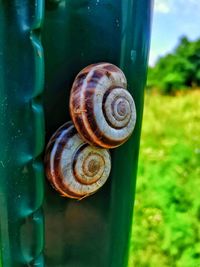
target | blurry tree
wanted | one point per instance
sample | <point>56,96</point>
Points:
<point>177,70</point>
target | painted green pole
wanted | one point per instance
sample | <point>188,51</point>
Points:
<point>37,226</point>
<point>21,133</point>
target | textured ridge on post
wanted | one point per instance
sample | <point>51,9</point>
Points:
<point>22,133</point>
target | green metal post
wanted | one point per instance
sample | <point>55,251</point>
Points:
<point>21,133</point>
<point>93,232</point>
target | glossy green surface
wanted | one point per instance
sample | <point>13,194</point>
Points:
<point>95,231</point>
<point>21,133</point>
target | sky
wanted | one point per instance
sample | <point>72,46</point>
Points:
<point>171,20</point>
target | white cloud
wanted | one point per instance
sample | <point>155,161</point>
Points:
<point>175,18</point>
<point>168,6</point>
<point>162,6</point>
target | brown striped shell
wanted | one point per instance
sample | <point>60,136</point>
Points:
<point>102,109</point>
<point>75,168</point>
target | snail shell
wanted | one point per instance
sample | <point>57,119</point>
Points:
<point>102,109</point>
<point>74,168</point>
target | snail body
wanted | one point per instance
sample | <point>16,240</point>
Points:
<point>102,109</point>
<point>74,168</point>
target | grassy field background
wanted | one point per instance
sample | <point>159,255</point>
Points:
<point>166,228</point>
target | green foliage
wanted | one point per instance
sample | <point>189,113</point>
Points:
<point>178,70</point>
<point>166,228</point>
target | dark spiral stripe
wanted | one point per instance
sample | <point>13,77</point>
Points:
<point>104,111</point>
<point>89,107</point>
<point>56,178</point>
<point>92,179</point>
<point>93,124</point>
<point>67,153</point>
<point>76,157</point>
<point>82,103</point>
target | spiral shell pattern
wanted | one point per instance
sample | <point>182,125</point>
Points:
<point>102,109</point>
<point>75,168</point>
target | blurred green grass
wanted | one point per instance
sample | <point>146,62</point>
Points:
<point>166,228</point>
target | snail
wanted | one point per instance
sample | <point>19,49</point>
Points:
<point>74,168</point>
<point>101,108</point>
